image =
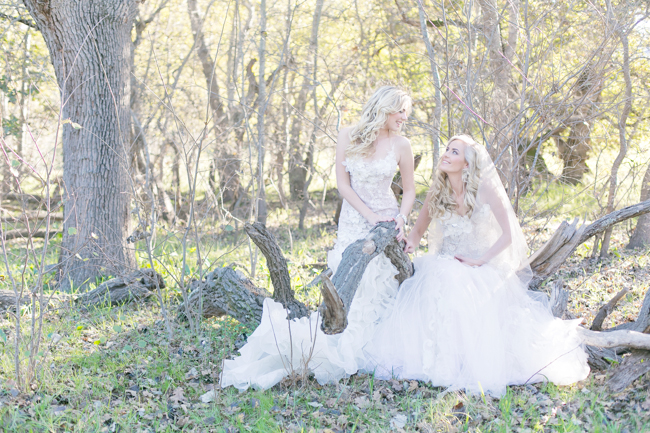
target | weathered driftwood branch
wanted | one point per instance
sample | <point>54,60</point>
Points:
<point>225,292</point>
<point>545,261</point>
<point>560,300</point>
<point>607,309</point>
<point>354,262</point>
<point>335,314</point>
<point>278,269</point>
<point>629,339</point>
<point>136,286</point>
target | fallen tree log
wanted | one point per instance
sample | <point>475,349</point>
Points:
<point>354,262</point>
<point>8,299</point>
<point>33,216</point>
<point>548,259</point>
<point>27,234</point>
<point>225,292</point>
<point>136,286</point>
<point>636,364</point>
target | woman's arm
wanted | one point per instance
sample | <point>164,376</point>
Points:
<point>343,181</point>
<point>421,224</point>
<point>405,162</point>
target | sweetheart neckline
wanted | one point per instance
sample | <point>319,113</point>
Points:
<point>390,152</point>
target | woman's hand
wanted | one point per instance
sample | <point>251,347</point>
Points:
<point>399,226</point>
<point>410,246</point>
<point>412,242</point>
<point>375,219</point>
<point>474,263</point>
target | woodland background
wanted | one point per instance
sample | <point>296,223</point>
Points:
<point>146,134</point>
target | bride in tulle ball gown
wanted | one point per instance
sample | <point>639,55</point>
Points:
<point>465,319</point>
<point>367,156</point>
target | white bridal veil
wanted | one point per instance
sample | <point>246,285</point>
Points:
<point>512,261</point>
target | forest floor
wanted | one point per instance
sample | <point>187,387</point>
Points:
<point>117,369</point>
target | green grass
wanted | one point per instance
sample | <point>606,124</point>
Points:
<point>116,369</point>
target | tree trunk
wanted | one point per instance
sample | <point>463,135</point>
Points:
<point>227,162</point>
<point>622,121</point>
<point>641,236</point>
<point>298,163</point>
<point>435,118</point>
<point>500,54</point>
<point>261,211</point>
<point>90,45</point>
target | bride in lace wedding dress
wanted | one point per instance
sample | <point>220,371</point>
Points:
<point>465,319</point>
<point>367,156</point>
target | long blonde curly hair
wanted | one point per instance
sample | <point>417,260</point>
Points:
<point>385,101</point>
<point>442,200</point>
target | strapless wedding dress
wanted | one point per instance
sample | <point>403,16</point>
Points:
<point>477,329</point>
<point>279,347</point>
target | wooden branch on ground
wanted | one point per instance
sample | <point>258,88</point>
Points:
<point>8,299</point>
<point>636,364</point>
<point>26,234</point>
<point>31,216</point>
<point>600,358</point>
<point>606,310</point>
<point>548,259</point>
<point>642,322</point>
<point>225,292</point>
<point>116,291</point>
<point>354,262</point>
<point>630,339</point>
<point>278,269</point>
<point>136,286</point>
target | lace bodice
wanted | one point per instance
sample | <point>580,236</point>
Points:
<point>462,235</point>
<point>371,180</point>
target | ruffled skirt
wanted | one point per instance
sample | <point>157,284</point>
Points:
<point>280,347</point>
<point>468,328</point>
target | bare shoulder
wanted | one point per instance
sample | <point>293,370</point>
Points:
<point>402,144</point>
<point>344,136</point>
<point>345,131</point>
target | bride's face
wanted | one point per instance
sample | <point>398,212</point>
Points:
<point>453,160</point>
<point>396,120</point>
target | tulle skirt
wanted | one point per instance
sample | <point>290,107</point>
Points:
<point>280,347</point>
<point>469,328</point>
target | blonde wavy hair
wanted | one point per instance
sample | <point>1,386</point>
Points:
<point>442,200</point>
<point>385,101</point>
